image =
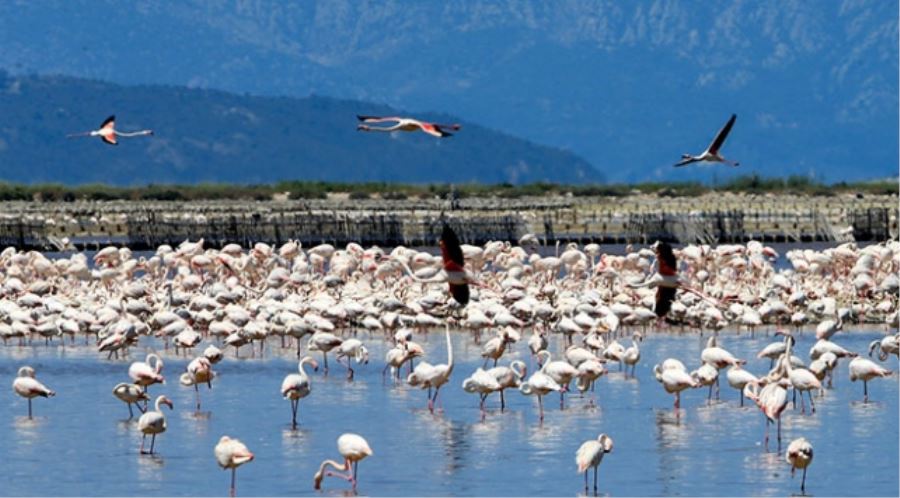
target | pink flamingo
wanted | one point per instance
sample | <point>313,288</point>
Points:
<point>108,132</point>
<point>407,124</point>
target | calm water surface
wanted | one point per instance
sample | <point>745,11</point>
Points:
<point>82,443</point>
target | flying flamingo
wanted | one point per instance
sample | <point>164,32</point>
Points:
<point>154,422</point>
<point>353,448</point>
<point>667,281</point>
<point>108,132</point>
<point>454,272</point>
<point>231,454</point>
<point>590,454</point>
<point>406,124</point>
<point>296,386</point>
<point>130,394</point>
<point>28,387</point>
<point>711,153</point>
<point>799,454</point>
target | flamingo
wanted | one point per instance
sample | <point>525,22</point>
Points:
<point>406,124</point>
<point>352,349</point>
<point>199,370</point>
<point>590,454</point>
<point>674,377</point>
<point>154,422</point>
<point>231,454</point>
<point>508,377</point>
<point>483,383</point>
<point>324,342</point>
<point>738,378</point>
<point>711,154</point>
<point>454,272</point>
<point>887,346</point>
<point>632,355</point>
<point>865,369</point>
<point>296,386</point>
<point>494,348</point>
<point>772,400</point>
<point>130,394</point>
<point>539,384</point>
<point>108,132</point>
<point>352,448</point>
<point>667,281</point>
<point>430,376</point>
<point>28,387</point>
<point>147,372</point>
<point>560,371</point>
<point>799,454</point>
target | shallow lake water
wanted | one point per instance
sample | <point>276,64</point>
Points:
<point>82,443</point>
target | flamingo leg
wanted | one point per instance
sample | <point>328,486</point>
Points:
<point>29,408</point>
<point>596,469</point>
<point>233,471</point>
<point>294,405</point>
<point>152,442</point>
<point>586,481</point>
<point>130,412</point>
<point>502,401</point>
<point>865,395</point>
<point>541,407</point>
<point>803,482</point>
<point>197,391</point>
<point>325,360</point>
<point>812,404</point>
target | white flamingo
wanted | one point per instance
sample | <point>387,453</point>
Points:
<point>130,394</point>
<point>148,372</point>
<point>352,448</point>
<point>711,153</point>
<point>590,454</point>
<point>483,383</point>
<point>428,376</point>
<point>674,377</point>
<point>153,422</point>
<point>539,384</point>
<point>199,371</point>
<point>509,377</point>
<point>28,387</point>
<point>297,386</point>
<point>352,350</point>
<point>865,369</point>
<point>799,454</point>
<point>108,132</point>
<point>231,454</point>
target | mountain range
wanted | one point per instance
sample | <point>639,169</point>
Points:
<point>628,86</point>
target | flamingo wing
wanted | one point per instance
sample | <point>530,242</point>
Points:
<point>722,135</point>
<point>685,162</point>
<point>110,139</point>
<point>109,122</point>
<point>376,119</point>
<point>436,130</point>
<point>454,265</point>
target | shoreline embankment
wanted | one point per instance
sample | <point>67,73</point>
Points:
<point>709,218</point>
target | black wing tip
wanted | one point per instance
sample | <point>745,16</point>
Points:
<point>363,117</point>
<point>108,120</point>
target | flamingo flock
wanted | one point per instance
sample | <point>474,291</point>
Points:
<point>208,303</point>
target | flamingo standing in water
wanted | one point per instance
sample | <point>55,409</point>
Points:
<point>353,448</point>
<point>130,394</point>
<point>590,454</point>
<point>108,132</point>
<point>799,454</point>
<point>147,372</point>
<point>199,371</point>
<point>231,454</point>
<point>406,124</point>
<point>154,422</point>
<point>711,154</point>
<point>28,387</point>
<point>865,369</point>
<point>296,386</point>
